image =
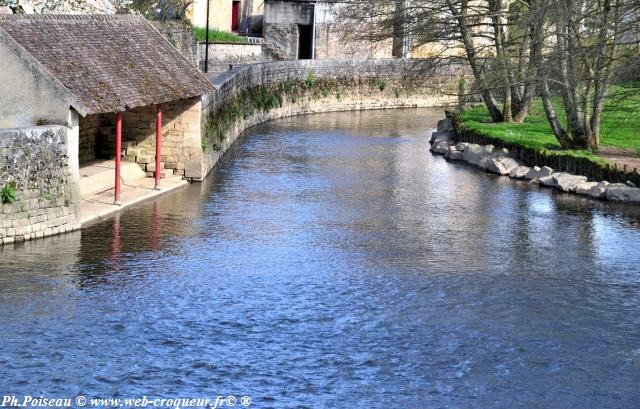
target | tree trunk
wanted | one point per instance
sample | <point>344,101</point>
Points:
<point>560,133</point>
<point>467,41</point>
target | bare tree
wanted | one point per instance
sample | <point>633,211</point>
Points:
<point>157,9</point>
<point>500,43</point>
<point>587,36</point>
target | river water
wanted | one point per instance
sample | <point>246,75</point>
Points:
<point>332,261</point>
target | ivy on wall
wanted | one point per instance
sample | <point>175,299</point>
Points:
<point>264,98</point>
<point>33,159</point>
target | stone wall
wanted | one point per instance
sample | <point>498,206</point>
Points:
<point>92,130</point>
<point>221,55</point>
<point>253,94</point>
<point>180,34</point>
<point>39,164</point>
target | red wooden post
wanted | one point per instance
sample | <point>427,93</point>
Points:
<point>118,153</point>
<point>158,143</point>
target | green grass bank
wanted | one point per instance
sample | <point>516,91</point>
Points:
<point>620,127</point>
<point>534,142</point>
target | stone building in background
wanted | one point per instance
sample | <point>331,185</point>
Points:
<point>241,16</point>
<point>301,29</point>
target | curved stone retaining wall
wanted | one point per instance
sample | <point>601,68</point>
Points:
<point>253,94</point>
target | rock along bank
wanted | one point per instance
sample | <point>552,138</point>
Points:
<point>499,161</point>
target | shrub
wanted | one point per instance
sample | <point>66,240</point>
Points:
<point>8,193</point>
<point>310,80</point>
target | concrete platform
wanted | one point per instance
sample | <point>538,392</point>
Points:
<point>99,175</point>
<point>98,206</point>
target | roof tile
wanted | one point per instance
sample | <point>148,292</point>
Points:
<point>110,63</point>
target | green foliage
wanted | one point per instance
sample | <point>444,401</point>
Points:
<point>462,85</point>
<point>265,100</point>
<point>8,193</point>
<point>310,80</point>
<point>217,36</point>
<point>382,84</point>
<point>396,92</point>
<point>155,9</point>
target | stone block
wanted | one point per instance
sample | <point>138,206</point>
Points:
<point>624,194</point>
<point>440,147</point>
<point>502,165</point>
<point>519,172</point>
<point>448,137</point>
<point>144,159</point>
<point>445,125</point>
<point>474,154</point>
<point>568,182</point>
<point>151,167</point>
<point>193,169</point>
<point>547,181</point>
<point>537,172</point>
<point>454,155</point>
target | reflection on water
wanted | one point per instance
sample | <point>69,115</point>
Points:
<point>332,261</point>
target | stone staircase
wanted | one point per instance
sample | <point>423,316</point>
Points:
<point>273,51</point>
<point>147,161</point>
<point>144,156</point>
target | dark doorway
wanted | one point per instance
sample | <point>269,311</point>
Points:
<point>305,41</point>
<point>235,15</point>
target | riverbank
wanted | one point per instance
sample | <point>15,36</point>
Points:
<point>620,146</point>
<point>449,141</point>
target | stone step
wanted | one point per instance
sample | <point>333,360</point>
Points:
<point>151,167</point>
<point>145,158</point>
<point>129,144</point>
<point>163,174</point>
<point>136,151</point>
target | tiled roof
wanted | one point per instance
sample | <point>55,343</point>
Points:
<point>108,63</point>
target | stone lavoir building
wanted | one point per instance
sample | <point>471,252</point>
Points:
<point>81,86</point>
<point>84,70</point>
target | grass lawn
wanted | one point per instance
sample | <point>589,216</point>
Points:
<point>620,125</point>
<point>217,36</point>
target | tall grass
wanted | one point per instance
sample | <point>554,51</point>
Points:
<point>217,36</point>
